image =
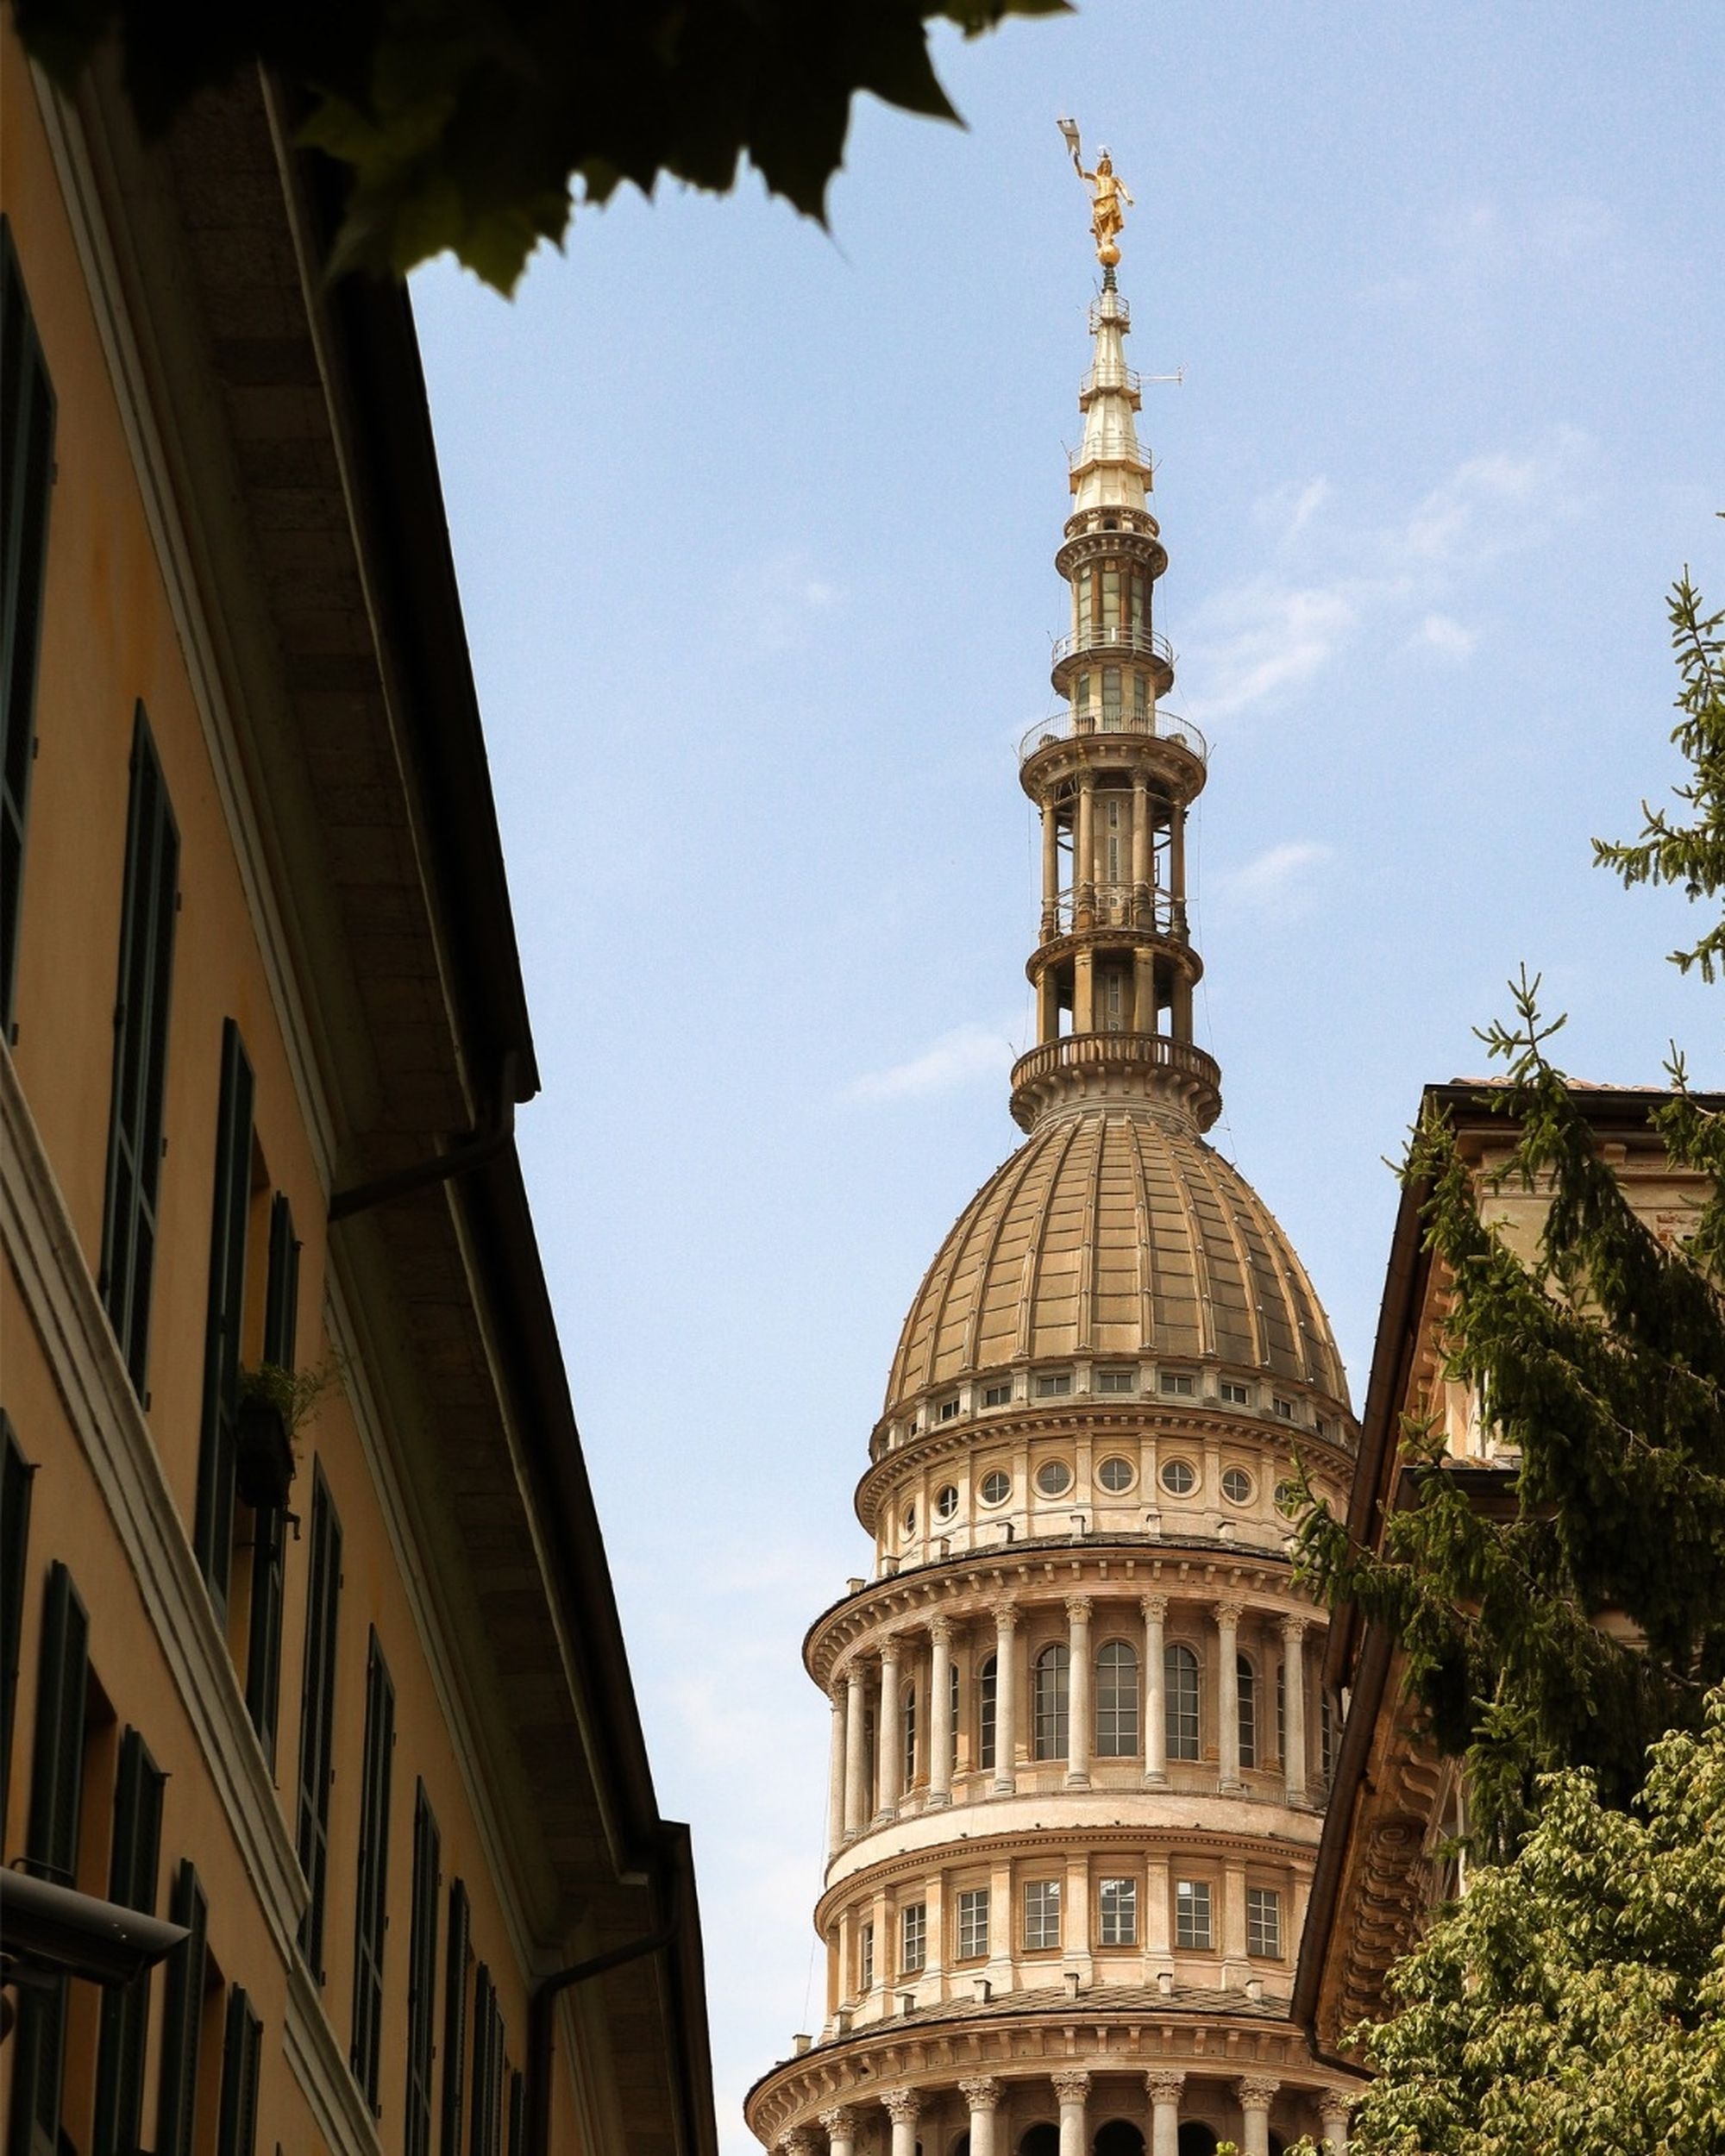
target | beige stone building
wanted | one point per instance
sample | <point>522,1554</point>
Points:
<point>1079,1751</point>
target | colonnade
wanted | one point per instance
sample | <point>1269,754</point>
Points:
<point>927,1650</point>
<point>984,2096</point>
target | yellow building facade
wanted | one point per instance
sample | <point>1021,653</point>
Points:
<point>310,1648</point>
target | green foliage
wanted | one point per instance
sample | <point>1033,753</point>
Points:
<point>465,124</point>
<point>294,1395</point>
<point>1573,2003</point>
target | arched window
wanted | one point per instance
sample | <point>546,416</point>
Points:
<point>908,1713</point>
<point>871,1757</point>
<point>1117,1700</point>
<point>1282,1712</point>
<point>1245,1681</point>
<point>985,1714</point>
<point>1180,1677</point>
<point>952,1693</point>
<point>1326,1736</point>
<point>1051,1674</point>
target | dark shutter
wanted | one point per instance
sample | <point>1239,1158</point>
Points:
<point>518,2114</point>
<point>236,2126</point>
<point>372,1910</point>
<point>455,2018</point>
<point>27,430</point>
<point>487,2067</point>
<point>263,1644</point>
<point>141,1026</point>
<point>16,1475</point>
<point>182,2016</point>
<point>132,1870</point>
<point>422,1977</point>
<point>316,1715</point>
<point>214,1536</point>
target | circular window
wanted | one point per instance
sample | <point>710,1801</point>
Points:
<point>1236,1485</point>
<point>1287,1496</point>
<point>910,1519</point>
<point>945,1502</point>
<point>1116,1474</point>
<point>1053,1478</point>
<point>1180,1477</point>
<point>996,1486</point>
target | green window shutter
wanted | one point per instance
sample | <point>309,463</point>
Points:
<point>316,1715</point>
<point>17,1476</point>
<point>282,1293</point>
<point>372,1912</point>
<point>182,2016</point>
<point>27,468</point>
<point>517,2114</point>
<point>140,1028</point>
<point>422,1977</point>
<point>487,2065</point>
<point>455,2018</point>
<point>263,1643</point>
<point>236,2128</point>
<point>132,1869</point>
<point>214,1536</point>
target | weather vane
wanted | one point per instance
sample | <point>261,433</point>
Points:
<point>1109,200</point>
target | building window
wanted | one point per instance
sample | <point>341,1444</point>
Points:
<point>1054,1478</point>
<point>17,1476</point>
<point>1116,1475</point>
<point>996,1395</point>
<point>132,1869</point>
<point>242,2044</point>
<point>1284,1409</point>
<point>488,2077</point>
<point>907,1731</point>
<point>865,1958</point>
<point>912,1938</point>
<point>910,1519</point>
<point>985,1714</point>
<point>1282,1712</point>
<point>1117,1700</point>
<point>218,1443</point>
<point>1263,1922</point>
<point>372,1910</point>
<point>1116,1380</point>
<point>1322,1425</point>
<point>141,1026</point>
<point>27,432</point>
<point>1053,1385</point>
<point>1245,1689</point>
<point>1181,1384</point>
<point>1118,1910</point>
<point>996,1486</point>
<point>949,1410</point>
<point>458,1954</point>
<point>953,1693</point>
<point>1286,1498</point>
<point>1041,1914</point>
<point>1234,1394</point>
<point>1179,1477</point>
<point>422,1977</point>
<point>1180,1677</point>
<point>945,1502</point>
<point>1236,1485</point>
<point>1052,1673</point>
<point>184,1974</point>
<point>1192,1915</point>
<point>316,1715</point>
<point>972,1923</point>
<point>269,1522</point>
<point>1326,1736</point>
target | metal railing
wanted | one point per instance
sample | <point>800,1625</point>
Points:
<point>1144,905</point>
<point>1110,719</point>
<point>1130,639</point>
<point>1105,453</point>
<point>1106,377</point>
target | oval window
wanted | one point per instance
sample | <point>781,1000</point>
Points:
<point>996,1486</point>
<point>946,1502</point>
<point>1180,1477</point>
<point>910,1519</point>
<point>1116,1474</point>
<point>1287,1496</point>
<point>1054,1478</point>
<point>1236,1485</point>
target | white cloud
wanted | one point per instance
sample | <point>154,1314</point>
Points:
<point>1445,635</point>
<point>957,1059</point>
<point>1287,511</point>
<point>1279,877</point>
<point>772,601</point>
<point>1264,635</point>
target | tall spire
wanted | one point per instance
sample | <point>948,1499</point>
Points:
<point>1114,772</point>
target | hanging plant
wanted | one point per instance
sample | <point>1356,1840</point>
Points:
<point>272,1406</point>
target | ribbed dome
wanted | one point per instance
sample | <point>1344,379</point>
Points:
<point>1116,1231</point>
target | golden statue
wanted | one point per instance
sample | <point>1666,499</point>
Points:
<point>1109,200</point>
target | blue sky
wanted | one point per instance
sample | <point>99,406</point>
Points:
<point>755,528</point>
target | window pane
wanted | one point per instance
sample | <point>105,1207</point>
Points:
<point>1180,1676</point>
<point>1117,1700</point>
<point>1052,1678</point>
<point>914,1938</point>
<point>1246,1683</point>
<point>1192,1914</point>
<point>1042,1914</point>
<point>1263,1922</point>
<point>985,1715</point>
<point>972,1923</point>
<point>1119,1912</point>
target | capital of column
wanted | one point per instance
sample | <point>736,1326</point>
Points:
<point>981,2093</point>
<point>1154,1607</point>
<point>1165,2088</point>
<point>839,2123</point>
<point>1334,2109</point>
<point>1229,1609</point>
<point>1004,1613</point>
<point>798,2142</point>
<point>1294,1629</point>
<point>1078,1608</point>
<point>891,1648</point>
<point>903,2105</point>
<point>940,1630</point>
<point>1257,2093</point>
<point>1071,2088</point>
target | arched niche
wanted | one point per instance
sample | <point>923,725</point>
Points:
<point>1118,2137</point>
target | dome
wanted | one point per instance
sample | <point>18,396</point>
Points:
<point>1116,1231</point>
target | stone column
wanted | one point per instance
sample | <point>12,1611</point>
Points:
<point>1143,990</point>
<point>1080,1709</point>
<point>835,1780</point>
<point>1293,1707</point>
<point>798,2142</point>
<point>1165,2091</point>
<point>1227,1615</point>
<point>839,2125</point>
<point>855,1750</point>
<point>1155,1608</point>
<point>1256,2097</point>
<point>1084,855</point>
<point>1050,869</point>
<point>1006,1698</point>
<point>940,1712</point>
<point>1141,894</point>
<point>902,2106</point>
<point>1333,2109</point>
<point>1071,2088</point>
<point>983,2094</point>
<point>888,1736</point>
<point>1084,988</point>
